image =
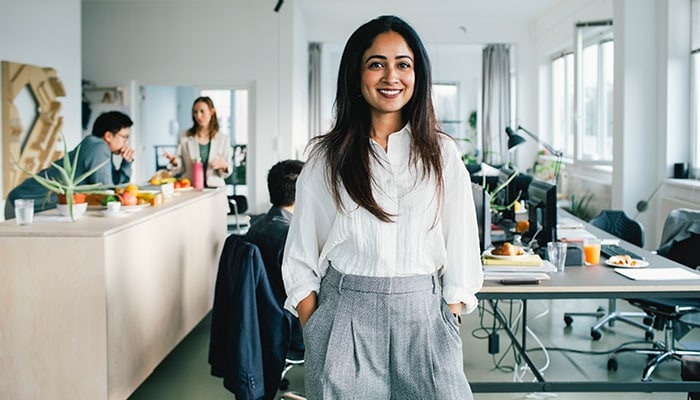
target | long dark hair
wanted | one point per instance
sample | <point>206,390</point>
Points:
<point>213,122</point>
<point>346,148</point>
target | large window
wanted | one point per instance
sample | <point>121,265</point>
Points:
<point>446,99</point>
<point>582,96</point>
<point>695,88</point>
<point>594,92</point>
<point>563,104</point>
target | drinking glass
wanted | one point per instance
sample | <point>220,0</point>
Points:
<point>24,211</point>
<point>556,253</point>
<point>591,251</point>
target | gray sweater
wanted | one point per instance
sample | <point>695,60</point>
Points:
<point>93,151</point>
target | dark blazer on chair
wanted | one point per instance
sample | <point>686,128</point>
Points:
<point>249,332</point>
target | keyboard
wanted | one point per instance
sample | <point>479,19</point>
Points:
<point>609,250</point>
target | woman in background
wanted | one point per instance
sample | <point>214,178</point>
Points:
<point>382,255</point>
<point>203,141</point>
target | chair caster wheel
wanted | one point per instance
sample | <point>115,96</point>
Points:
<point>284,384</point>
<point>600,309</point>
<point>649,336</point>
<point>612,364</point>
<point>568,320</point>
<point>595,334</point>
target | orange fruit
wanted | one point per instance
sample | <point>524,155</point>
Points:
<point>131,188</point>
<point>522,226</point>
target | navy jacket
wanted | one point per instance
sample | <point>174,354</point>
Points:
<point>249,331</point>
<point>269,233</point>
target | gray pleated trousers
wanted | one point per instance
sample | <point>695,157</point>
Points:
<point>383,338</point>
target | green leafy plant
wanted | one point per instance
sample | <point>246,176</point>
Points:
<point>67,184</point>
<point>503,185</point>
<point>581,206</point>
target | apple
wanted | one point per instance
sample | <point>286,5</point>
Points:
<point>129,199</point>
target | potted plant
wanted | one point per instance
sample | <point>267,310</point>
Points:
<point>501,207</point>
<point>67,186</point>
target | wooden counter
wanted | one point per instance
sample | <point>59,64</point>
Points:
<point>89,309</point>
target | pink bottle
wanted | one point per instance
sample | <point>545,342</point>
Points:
<point>198,174</point>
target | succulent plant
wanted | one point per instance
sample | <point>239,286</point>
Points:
<point>67,184</point>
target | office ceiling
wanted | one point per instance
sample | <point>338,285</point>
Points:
<point>509,11</point>
<point>506,10</point>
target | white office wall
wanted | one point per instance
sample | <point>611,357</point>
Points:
<point>160,103</point>
<point>46,33</point>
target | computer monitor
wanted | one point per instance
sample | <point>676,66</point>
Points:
<point>483,215</point>
<point>542,211</point>
<point>517,189</point>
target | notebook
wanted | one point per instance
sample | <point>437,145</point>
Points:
<point>658,274</point>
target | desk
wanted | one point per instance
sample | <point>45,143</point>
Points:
<point>88,309</point>
<point>587,282</point>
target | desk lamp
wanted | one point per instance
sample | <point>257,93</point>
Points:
<point>515,140</point>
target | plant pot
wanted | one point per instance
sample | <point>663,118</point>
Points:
<point>78,198</point>
<point>78,210</point>
<point>79,205</point>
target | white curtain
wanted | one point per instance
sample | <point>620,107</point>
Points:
<point>496,102</point>
<point>314,89</point>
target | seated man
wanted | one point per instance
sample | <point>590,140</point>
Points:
<point>269,233</point>
<point>110,134</point>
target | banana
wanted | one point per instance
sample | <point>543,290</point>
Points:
<point>148,196</point>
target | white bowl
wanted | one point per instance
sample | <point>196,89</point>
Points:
<point>78,210</point>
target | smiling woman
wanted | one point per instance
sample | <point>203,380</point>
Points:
<point>377,180</point>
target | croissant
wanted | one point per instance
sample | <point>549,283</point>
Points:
<point>508,249</point>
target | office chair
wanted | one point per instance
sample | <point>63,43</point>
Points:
<point>679,237</point>
<point>668,315</point>
<point>250,331</point>
<point>617,223</point>
<point>679,241</point>
<point>237,222</point>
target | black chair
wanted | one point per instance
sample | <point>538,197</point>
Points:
<point>679,237</point>
<point>679,241</point>
<point>619,224</point>
<point>236,221</point>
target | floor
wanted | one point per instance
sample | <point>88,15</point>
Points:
<point>184,374</point>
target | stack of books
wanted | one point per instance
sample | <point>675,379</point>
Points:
<point>515,267</point>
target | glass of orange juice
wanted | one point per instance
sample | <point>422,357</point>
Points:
<point>591,251</point>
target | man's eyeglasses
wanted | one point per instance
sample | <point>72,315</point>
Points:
<point>125,137</point>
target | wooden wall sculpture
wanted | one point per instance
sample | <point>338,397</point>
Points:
<point>33,146</point>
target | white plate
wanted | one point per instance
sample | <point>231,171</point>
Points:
<point>640,264</point>
<point>138,207</point>
<point>185,189</point>
<point>487,253</point>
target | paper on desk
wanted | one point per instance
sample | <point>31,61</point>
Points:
<point>658,274</point>
<point>569,223</point>
<point>545,266</point>
<point>574,234</point>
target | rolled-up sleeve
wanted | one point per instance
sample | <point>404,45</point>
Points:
<point>463,276</point>
<point>311,222</point>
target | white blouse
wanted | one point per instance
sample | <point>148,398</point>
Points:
<point>358,243</point>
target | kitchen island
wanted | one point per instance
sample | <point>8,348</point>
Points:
<point>89,308</point>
